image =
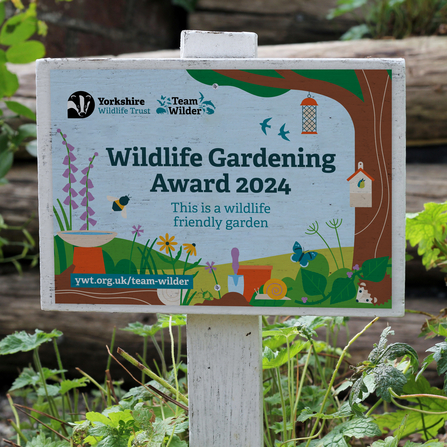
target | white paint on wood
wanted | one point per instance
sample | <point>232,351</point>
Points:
<point>224,352</point>
<point>203,44</point>
<point>225,381</point>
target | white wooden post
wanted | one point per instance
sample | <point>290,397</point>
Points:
<point>224,351</point>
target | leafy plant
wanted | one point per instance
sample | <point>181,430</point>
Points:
<point>313,396</point>
<point>394,18</point>
<point>17,47</point>
<point>428,230</point>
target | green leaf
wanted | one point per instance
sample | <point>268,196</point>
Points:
<point>375,354</point>
<point>3,59</point>
<point>386,376</point>
<point>41,440</point>
<point>356,32</point>
<point>31,148</point>
<point>9,82</point>
<point>427,228</point>
<point>6,159</point>
<point>313,283</point>
<point>25,52</point>
<point>24,342</point>
<point>17,29</point>
<point>144,330</point>
<point>397,350</point>
<point>440,356</point>
<point>375,269</point>
<point>20,109</point>
<point>29,377</point>
<point>415,423</point>
<point>2,12</point>
<point>51,390</point>
<point>176,320</point>
<point>343,289</point>
<point>357,427</point>
<point>281,357</point>
<point>68,385</point>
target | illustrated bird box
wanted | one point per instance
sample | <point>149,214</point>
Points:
<point>360,188</point>
<point>309,115</point>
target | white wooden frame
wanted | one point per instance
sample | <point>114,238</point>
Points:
<point>44,67</point>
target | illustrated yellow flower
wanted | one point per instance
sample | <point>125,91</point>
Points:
<point>167,243</point>
<point>190,249</point>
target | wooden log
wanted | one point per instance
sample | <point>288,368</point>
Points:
<point>276,22</point>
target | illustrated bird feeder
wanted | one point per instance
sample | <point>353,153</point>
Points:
<point>309,116</point>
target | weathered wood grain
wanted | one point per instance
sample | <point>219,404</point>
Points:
<point>426,77</point>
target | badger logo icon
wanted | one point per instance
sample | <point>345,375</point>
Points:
<point>80,105</point>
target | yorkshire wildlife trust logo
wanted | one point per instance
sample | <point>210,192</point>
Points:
<point>185,106</point>
<point>80,105</point>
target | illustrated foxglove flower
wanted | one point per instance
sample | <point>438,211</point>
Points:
<point>69,174</point>
<point>87,195</point>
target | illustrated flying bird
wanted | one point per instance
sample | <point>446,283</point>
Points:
<point>264,125</point>
<point>283,133</point>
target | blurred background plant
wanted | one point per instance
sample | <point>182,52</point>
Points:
<point>392,18</point>
<point>18,25</point>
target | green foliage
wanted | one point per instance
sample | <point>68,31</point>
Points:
<point>17,48</point>
<point>428,230</point>
<point>304,383</point>
<point>23,342</point>
<point>391,18</point>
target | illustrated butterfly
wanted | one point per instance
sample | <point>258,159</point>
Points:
<point>302,257</point>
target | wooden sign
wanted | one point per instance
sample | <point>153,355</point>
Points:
<point>222,186</point>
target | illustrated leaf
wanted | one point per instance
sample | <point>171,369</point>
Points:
<point>313,283</point>
<point>343,289</point>
<point>386,376</point>
<point>23,342</point>
<point>210,77</point>
<point>20,109</point>
<point>375,269</point>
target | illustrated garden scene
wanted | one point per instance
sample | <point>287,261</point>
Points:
<point>263,191</point>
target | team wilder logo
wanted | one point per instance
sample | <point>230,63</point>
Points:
<point>80,105</point>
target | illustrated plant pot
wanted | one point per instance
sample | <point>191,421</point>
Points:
<point>87,253</point>
<point>236,283</point>
<point>254,277</point>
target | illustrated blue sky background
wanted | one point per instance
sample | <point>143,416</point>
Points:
<point>315,196</point>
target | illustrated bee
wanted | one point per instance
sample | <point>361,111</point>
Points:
<point>119,204</point>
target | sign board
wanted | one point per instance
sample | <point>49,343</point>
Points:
<point>222,186</point>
